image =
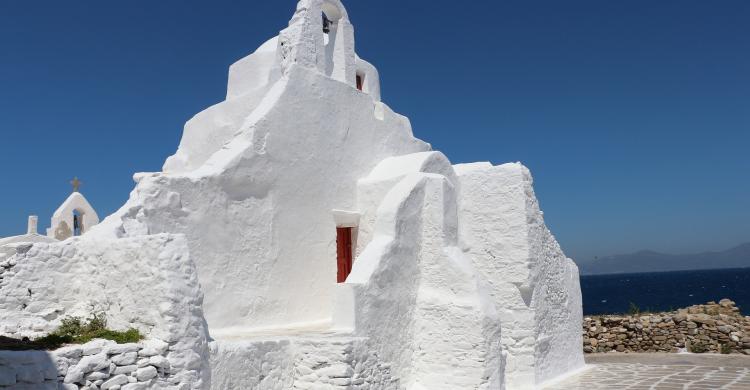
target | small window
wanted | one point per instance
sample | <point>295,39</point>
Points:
<point>343,253</point>
<point>360,82</point>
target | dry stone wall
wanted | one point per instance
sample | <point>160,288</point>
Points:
<point>99,364</point>
<point>713,327</point>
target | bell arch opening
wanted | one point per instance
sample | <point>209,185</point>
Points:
<point>78,227</point>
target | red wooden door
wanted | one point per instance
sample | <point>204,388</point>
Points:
<point>343,253</point>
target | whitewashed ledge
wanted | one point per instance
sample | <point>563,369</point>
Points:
<point>98,364</point>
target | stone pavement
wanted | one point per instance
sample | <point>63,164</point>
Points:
<point>656,371</point>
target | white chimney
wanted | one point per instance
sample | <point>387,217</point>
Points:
<point>32,224</point>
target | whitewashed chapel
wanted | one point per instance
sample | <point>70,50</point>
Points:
<point>74,217</point>
<point>265,261</point>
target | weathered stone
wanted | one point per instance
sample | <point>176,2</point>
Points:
<point>115,381</point>
<point>136,386</point>
<point>70,352</point>
<point>95,376</point>
<point>118,349</point>
<point>125,359</point>
<point>153,347</point>
<point>94,347</point>
<point>159,361</point>
<point>146,373</point>
<point>125,369</point>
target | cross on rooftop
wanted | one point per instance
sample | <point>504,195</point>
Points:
<point>76,184</point>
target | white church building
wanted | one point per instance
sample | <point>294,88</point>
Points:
<point>266,261</point>
<point>74,217</point>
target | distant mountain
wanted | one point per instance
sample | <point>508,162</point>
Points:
<point>650,261</point>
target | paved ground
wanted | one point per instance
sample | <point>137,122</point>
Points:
<point>656,371</point>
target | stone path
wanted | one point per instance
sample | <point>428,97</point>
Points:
<point>660,371</point>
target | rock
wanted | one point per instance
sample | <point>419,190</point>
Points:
<point>724,328</point>
<point>153,347</point>
<point>116,381</point>
<point>95,346</point>
<point>93,363</point>
<point>125,369</point>
<point>95,376</point>
<point>726,303</point>
<point>146,373</point>
<point>74,375</point>
<point>118,349</point>
<point>125,359</point>
<point>69,352</point>
<point>136,386</point>
<point>159,361</point>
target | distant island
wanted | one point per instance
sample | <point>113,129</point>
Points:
<point>650,261</point>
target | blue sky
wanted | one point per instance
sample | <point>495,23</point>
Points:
<point>634,117</point>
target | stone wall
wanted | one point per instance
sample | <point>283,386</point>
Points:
<point>313,362</point>
<point>147,282</point>
<point>98,364</point>
<point>713,327</point>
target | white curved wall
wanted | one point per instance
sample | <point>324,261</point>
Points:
<point>418,299</point>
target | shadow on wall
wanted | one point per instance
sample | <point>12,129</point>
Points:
<point>28,369</point>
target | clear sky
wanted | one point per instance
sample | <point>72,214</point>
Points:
<point>634,116</point>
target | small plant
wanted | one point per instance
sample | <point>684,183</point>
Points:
<point>95,327</point>
<point>633,309</point>
<point>725,349</point>
<point>697,348</point>
<point>74,330</point>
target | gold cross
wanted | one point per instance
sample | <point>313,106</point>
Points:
<point>75,183</point>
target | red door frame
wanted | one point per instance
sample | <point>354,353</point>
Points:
<point>343,253</point>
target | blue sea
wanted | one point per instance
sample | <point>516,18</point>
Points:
<point>662,291</point>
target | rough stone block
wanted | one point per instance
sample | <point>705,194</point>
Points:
<point>146,373</point>
<point>125,359</point>
<point>116,381</point>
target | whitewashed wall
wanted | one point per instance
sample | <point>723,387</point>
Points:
<point>257,211</point>
<point>145,282</point>
<point>533,285</point>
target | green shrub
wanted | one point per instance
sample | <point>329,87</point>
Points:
<point>95,327</point>
<point>725,349</point>
<point>74,330</point>
<point>697,348</point>
<point>633,309</point>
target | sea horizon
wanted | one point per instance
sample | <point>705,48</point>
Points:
<point>664,290</point>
